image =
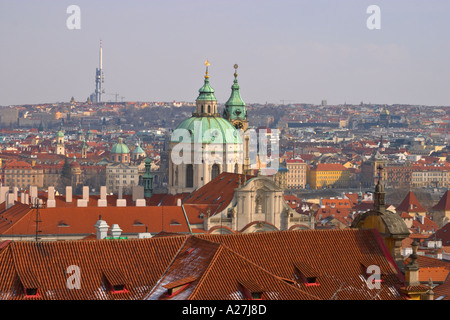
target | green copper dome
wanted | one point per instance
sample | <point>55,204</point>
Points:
<point>60,134</point>
<point>138,150</point>
<point>208,130</point>
<point>120,147</point>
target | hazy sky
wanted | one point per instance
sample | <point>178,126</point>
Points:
<point>297,51</point>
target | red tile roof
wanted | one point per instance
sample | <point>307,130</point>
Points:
<point>219,192</point>
<point>20,220</point>
<point>444,202</point>
<point>205,266</point>
<point>319,249</point>
<point>410,204</point>
<point>137,263</point>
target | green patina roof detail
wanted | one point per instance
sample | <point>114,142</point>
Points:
<point>138,149</point>
<point>208,130</point>
<point>235,99</point>
<point>60,134</point>
<point>120,147</point>
<point>206,92</point>
<point>235,106</point>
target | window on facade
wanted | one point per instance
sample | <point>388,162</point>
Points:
<point>215,171</point>
<point>189,176</point>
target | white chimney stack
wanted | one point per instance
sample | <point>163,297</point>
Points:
<point>68,194</point>
<point>115,231</point>
<point>102,202</point>
<point>102,229</point>
<point>3,193</point>
<point>86,193</point>
<point>51,202</point>
<point>9,200</point>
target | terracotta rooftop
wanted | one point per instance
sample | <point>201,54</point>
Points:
<point>410,204</point>
<point>203,267</point>
<point>444,202</point>
<point>219,192</point>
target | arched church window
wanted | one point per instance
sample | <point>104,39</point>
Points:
<point>215,171</point>
<point>189,176</point>
<point>236,168</point>
<point>209,109</point>
<point>202,109</point>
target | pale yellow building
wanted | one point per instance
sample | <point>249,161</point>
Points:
<point>329,175</point>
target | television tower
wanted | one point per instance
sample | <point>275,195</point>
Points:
<point>99,78</point>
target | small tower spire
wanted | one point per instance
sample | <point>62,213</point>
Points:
<point>147,178</point>
<point>235,110</point>
<point>379,204</point>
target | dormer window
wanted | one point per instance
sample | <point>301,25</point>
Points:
<point>306,274</point>
<point>31,292</point>
<point>115,281</point>
<point>177,286</point>
<point>251,290</point>
<point>30,283</point>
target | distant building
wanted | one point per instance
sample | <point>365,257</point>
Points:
<point>329,175</point>
<point>121,175</point>
<point>22,174</point>
<point>297,174</point>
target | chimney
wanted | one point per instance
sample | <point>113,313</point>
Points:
<point>179,202</point>
<point>33,193</point>
<point>103,192</point>
<point>22,197</point>
<point>68,194</point>
<point>3,193</point>
<point>51,202</point>
<point>86,193</point>
<point>430,293</point>
<point>140,203</point>
<point>412,269</point>
<point>102,202</point>
<point>15,192</point>
<point>137,192</point>
<point>102,229</point>
<point>115,231</point>
<point>9,200</point>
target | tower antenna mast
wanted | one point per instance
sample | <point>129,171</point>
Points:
<point>99,78</point>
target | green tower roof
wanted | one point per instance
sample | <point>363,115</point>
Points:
<point>206,92</point>
<point>235,99</point>
<point>60,134</point>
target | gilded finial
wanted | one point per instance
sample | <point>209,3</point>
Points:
<point>235,70</point>
<point>207,64</point>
